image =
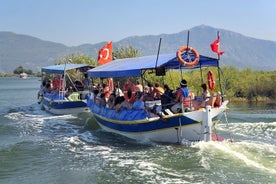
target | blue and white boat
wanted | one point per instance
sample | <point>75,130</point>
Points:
<point>193,125</point>
<point>59,102</point>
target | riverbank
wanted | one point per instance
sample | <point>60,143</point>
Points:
<point>255,100</point>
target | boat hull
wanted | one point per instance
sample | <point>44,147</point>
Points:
<point>190,126</point>
<point>63,107</point>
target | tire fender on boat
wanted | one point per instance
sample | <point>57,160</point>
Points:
<point>129,86</point>
<point>211,80</point>
<point>186,49</point>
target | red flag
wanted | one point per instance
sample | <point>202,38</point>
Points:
<point>105,54</point>
<point>215,47</point>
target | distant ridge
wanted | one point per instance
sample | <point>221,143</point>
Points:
<point>240,51</point>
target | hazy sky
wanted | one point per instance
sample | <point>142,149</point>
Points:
<point>75,22</point>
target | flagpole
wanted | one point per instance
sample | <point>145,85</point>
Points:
<point>188,40</point>
<point>158,52</point>
<point>219,49</point>
<point>222,92</point>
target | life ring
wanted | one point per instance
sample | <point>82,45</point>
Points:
<point>129,86</point>
<point>211,80</point>
<point>182,61</point>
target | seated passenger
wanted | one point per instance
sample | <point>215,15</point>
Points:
<point>139,103</point>
<point>157,91</point>
<point>147,95</point>
<point>216,100</point>
<point>94,95</point>
<point>79,85</point>
<point>183,94</point>
<point>74,96</point>
<point>47,88</point>
<point>102,100</point>
<point>167,97</point>
<point>69,91</point>
<point>118,91</point>
<point>204,100</point>
<point>111,101</point>
<point>125,104</point>
<point>138,87</point>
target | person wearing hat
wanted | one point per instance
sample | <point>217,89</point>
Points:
<point>184,94</point>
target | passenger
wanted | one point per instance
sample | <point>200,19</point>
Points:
<point>167,97</point>
<point>98,96</point>
<point>168,91</point>
<point>93,95</point>
<point>75,96</point>
<point>184,94</point>
<point>102,100</point>
<point>205,98</point>
<point>119,99</point>
<point>147,95</point>
<point>55,83</point>
<point>42,87</point>
<point>86,82</point>
<point>106,90</point>
<point>69,91</point>
<point>124,105</point>
<point>47,88</point>
<point>216,99</point>
<point>93,87</point>
<point>138,103</point>
<point>118,91</point>
<point>150,87</point>
<point>111,101</point>
<point>157,91</point>
<point>138,87</point>
<point>79,85</point>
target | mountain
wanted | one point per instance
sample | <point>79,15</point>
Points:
<point>240,51</point>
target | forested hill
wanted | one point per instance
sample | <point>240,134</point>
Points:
<point>240,51</point>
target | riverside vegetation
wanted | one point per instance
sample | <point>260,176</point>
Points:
<point>240,85</point>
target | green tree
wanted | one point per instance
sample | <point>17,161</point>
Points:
<point>125,52</point>
<point>19,70</point>
<point>77,59</point>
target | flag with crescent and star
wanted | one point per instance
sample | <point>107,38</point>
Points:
<point>215,47</point>
<point>105,54</point>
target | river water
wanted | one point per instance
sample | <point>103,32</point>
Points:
<point>37,147</point>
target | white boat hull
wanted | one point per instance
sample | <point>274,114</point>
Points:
<point>190,126</point>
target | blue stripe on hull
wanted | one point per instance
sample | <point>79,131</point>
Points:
<point>64,105</point>
<point>145,126</point>
<point>135,121</point>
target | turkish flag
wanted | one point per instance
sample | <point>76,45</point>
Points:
<point>105,54</point>
<point>215,47</point>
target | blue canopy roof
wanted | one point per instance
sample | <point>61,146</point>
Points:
<point>133,66</point>
<point>59,69</point>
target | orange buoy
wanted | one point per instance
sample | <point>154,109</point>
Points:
<point>187,48</point>
<point>211,80</point>
<point>129,86</point>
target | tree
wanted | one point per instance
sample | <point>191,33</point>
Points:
<point>77,59</point>
<point>125,52</point>
<point>20,70</point>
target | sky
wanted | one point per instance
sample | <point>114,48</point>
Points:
<point>76,22</point>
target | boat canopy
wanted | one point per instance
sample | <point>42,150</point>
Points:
<point>133,66</point>
<point>59,69</point>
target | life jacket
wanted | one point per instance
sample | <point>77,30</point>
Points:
<point>185,96</point>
